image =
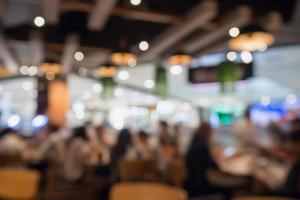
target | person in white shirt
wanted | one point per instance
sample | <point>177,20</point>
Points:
<point>77,153</point>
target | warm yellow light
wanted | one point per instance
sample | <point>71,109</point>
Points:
<point>4,72</point>
<point>53,68</point>
<point>251,41</point>
<point>122,58</point>
<point>180,59</point>
<point>107,71</point>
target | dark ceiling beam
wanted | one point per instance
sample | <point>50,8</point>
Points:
<point>147,16</point>
<point>71,45</point>
<point>5,54</point>
<point>59,47</point>
<point>100,14</point>
<point>51,10</point>
<point>125,12</point>
<point>238,18</point>
<point>203,13</point>
<point>37,48</point>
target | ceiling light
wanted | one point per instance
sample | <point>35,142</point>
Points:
<point>246,57</point>
<point>39,21</point>
<point>82,71</point>
<point>180,58</point>
<point>176,69</point>
<point>107,70</point>
<point>234,32</point>
<point>251,38</point>
<point>33,70</point>
<point>132,62</point>
<point>123,75</point>
<point>122,58</point>
<point>52,67</point>
<point>135,2</point>
<point>231,56</point>
<point>50,76</point>
<point>79,56</point>
<point>144,45</point>
<point>97,88</point>
<point>24,70</point>
<point>265,100</point>
<point>149,84</point>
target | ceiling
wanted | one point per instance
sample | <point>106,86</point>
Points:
<point>168,25</point>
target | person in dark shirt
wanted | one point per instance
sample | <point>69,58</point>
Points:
<point>198,161</point>
<point>292,184</point>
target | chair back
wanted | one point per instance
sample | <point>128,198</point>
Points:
<point>133,170</point>
<point>7,160</point>
<point>261,198</point>
<point>18,183</point>
<point>176,172</point>
<point>146,191</point>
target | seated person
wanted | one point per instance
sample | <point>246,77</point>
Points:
<point>291,187</point>
<point>77,153</point>
<point>198,161</point>
<point>142,146</point>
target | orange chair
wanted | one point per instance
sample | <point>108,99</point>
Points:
<point>146,191</point>
<point>137,170</point>
<point>262,198</point>
<point>18,183</point>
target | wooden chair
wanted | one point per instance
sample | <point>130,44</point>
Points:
<point>10,160</point>
<point>137,170</point>
<point>261,198</point>
<point>176,172</point>
<point>18,183</point>
<point>146,191</point>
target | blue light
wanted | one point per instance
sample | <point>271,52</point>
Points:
<point>39,121</point>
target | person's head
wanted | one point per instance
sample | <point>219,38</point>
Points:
<point>163,126</point>
<point>52,128</point>
<point>295,141</point>
<point>143,136</point>
<point>100,130</point>
<point>204,131</point>
<point>124,138</point>
<point>247,113</point>
<point>79,132</point>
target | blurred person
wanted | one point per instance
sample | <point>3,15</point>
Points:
<point>142,146</point>
<point>250,134</point>
<point>100,148</point>
<point>11,143</point>
<point>164,135</point>
<point>122,149</point>
<point>77,153</point>
<point>291,187</point>
<point>52,145</point>
<point>166,149</point>
<point>198,162</point>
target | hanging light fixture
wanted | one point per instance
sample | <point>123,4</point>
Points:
<point>122,56</point>
<point>251,38</point>
<point>180,58</point>
<point>107,73</point>
<point>107,70</point>
<point>51,69</point>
